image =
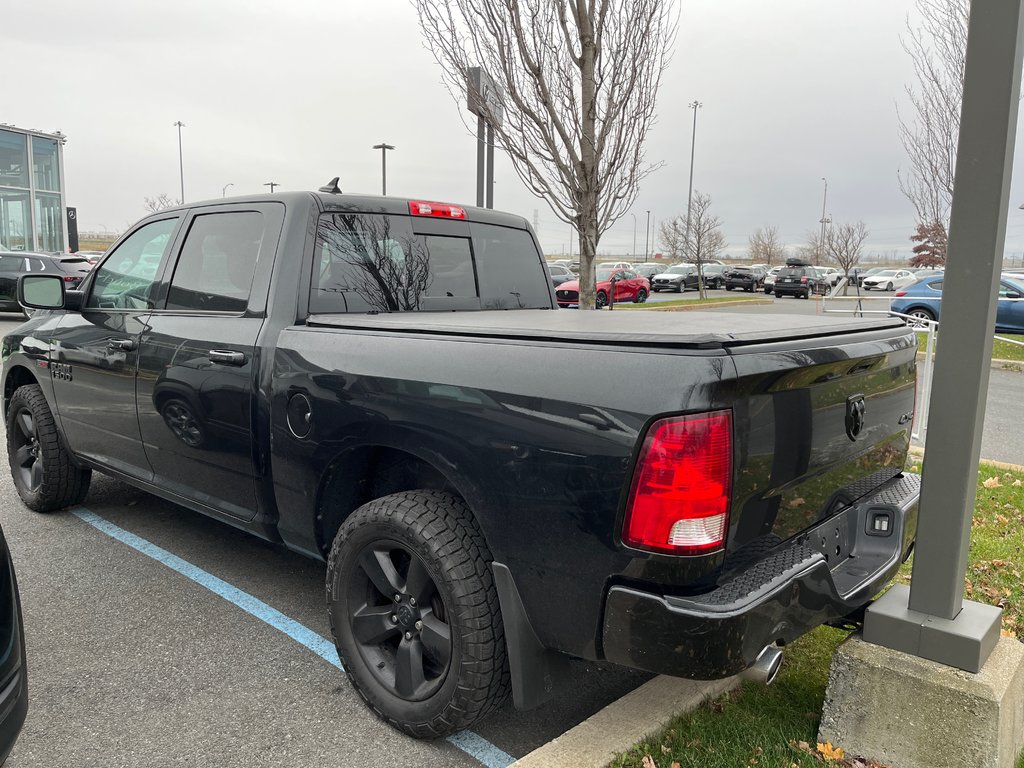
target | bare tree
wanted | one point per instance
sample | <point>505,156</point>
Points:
<point>937,47</point>
<point>766,247</point>
<point>930,248</point>
<point>160,202</point>
<point>580,81</point>
<point>706,241</point>
<point>844,245</point>
<point>672,236</point>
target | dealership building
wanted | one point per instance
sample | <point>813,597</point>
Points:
<point>33,214</point>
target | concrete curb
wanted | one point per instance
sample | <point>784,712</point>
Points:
<point>622,724</point>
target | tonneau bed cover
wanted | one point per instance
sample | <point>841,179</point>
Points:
<point>692,330</point>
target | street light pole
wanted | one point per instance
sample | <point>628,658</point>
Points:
<point>647,247</point>
<point>632,254</point>
<point>383,147</point>
<point>271,184</point>
<point>694,105</point>
<point>181,165</point>
<point>224,192</point>
<point>821,242</point>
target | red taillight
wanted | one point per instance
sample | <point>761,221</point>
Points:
<point>900,293</point>
<point>443,210</point>
<point>679,500</point>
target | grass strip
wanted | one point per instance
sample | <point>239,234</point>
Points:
<point>758,725</point>
<point>1001,350</point>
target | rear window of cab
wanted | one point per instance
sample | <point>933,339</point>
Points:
<point>365,262</point>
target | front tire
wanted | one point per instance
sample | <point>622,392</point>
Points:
<point>641,296</point>
<point>888,286</point>
<point>602,299</point>
<point>44,474</point>
<point>415,615</point>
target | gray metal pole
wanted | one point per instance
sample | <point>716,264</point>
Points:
<point>694,105</point>
<point>935,622</point>
<point>490,166</point>
<point>977,235</point>
<point>383,147</point>
<point>647,245</point>
<point>181,164</point>
<point>632,254</point>
<point>480,161</point>
<point>821,242</point>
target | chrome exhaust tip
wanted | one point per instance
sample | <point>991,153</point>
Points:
<point>766,667</point>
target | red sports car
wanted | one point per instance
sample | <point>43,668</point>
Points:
<point>629,286</point>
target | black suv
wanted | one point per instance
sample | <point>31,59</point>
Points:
<point>746,278</point>
<point>798,279</point>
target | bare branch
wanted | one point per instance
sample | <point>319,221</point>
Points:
<point>580,80</point>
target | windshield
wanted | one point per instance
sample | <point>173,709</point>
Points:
<point>605,274</point>
<point>886,273</point>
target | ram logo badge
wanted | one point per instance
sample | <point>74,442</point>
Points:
<point>854,416</point>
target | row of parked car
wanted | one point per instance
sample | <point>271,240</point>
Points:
<point>635,282</point>
<point>72,267</point>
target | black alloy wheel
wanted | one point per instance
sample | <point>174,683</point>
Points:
<point>398,620</point>
<point>888,286</point>
<point>641,296</point>
<point>602,299</point>
<point>26,462</point>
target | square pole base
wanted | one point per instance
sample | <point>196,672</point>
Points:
<point>964,642</point>
<point>908,712</point>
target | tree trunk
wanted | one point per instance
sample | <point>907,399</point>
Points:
<point>587,203</point>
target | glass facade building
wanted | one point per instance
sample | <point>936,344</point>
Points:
<point>32,191</point>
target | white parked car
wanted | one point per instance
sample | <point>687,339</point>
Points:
<point>889,280</point>
<point>831,275</point>
<point>616,265</point>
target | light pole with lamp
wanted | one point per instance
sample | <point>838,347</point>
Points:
<point>632,254</point>
<point>271,184</point>
<point>383,147</point>
<point>224,192</point>
<point>694,105</point>
<point>821,241</point>
<point>647,247</point>
<point>181,164</point>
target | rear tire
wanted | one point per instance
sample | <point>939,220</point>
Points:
<point>415,615</point>
<point>43,471</point>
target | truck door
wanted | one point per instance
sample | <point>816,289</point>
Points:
<point>198,360</point>
<point>94,352</point>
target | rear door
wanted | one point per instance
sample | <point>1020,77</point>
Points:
<point>198,359</point>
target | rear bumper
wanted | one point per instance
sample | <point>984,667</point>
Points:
<point>775,599</point>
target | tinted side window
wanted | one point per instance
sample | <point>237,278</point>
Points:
<point>217,263</point>
<point>12,264</point>
<point>126,278</point>
<point>936,286</point>
<point>509,269</point>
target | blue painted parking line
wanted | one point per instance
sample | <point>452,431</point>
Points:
<point>472,744</point>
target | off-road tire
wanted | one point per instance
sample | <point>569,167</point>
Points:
<point>438,529</point>
<point>46,477</point>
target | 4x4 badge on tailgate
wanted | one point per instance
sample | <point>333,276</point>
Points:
<point>854,416</point>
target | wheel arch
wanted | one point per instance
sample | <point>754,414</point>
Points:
<point>359,475</point>
<point>19,376</point>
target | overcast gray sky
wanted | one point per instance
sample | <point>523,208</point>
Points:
<point>297,92</point>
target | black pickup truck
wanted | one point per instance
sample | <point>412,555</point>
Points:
<point>496,485</point>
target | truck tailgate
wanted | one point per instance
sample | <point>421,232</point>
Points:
<point>818,426</point>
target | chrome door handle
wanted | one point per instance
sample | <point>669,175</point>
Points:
<point>227,357</point>
<point>125,345</point>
